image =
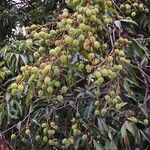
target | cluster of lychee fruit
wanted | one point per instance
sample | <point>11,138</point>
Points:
<point>132,8</point>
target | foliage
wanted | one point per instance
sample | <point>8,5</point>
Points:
<point>83,81</point>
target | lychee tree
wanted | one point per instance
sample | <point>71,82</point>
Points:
<point>72,95</point>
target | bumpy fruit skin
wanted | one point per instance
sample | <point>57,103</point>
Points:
<point>44,125</point>
<point>13,137</point>
<point>50,89</point>
<point>18,78</point>
<point>64,89</point>
<point>14,92</point>
<point>97,112</point>
<point>57,84</point>
<point>103,111</point>
<point>110,59</point>
<point>13,86</point>
<point>88,12</point>
<point>60,98</point>
<point>104,72</point>
<point>45,139</point>
<point>133,14</point>
<point>20,88</point>
<point>109,3</point>
<point>96,44</point>
<point>146,122</point>
<point>36,55</point>
<point>40,93</point>
<point>68,40</point>
<point>118,106</point>
<point>76,132</point>
<point>91,56</point>
<point>47,80</point>
<point>115,101</point>
<point>97,103</point>
<point>29,42</point>
<point>27,132</point>
<point>56,71</point>
<point>106,21</point>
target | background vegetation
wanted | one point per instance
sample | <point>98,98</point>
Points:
<point>95,99</point>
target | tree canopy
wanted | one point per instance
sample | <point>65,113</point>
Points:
<point>79,78</point>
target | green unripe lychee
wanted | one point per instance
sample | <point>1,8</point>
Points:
<point>146,10</point>
<point>96,44</point>
<point>44,125</point>
<point>74,126</point>
<point>57,71</point>
<point>79,18</point>
<point>83,27</point>
<point>33,26</point>
<point>40,93</point>
<point>41,50</point>
<point>29,42</point>
<point>63,59</point>
<point>18,78</point>
<point>13,86</point>
<point>104,72</point>
<point>34,70</point>
<point>127,6</point>
<point>99,81</point>
<point>91,56</point>
<point>97,103</point>
<point>146,122</point>
<point>45,139</point>
<point>115,101</point>
<point>110,58</point>
<point>121,53</point>
<point>20,88</point>
<point>68,40</point>
<point>51,142</point>
<point>118,106</point>
<point>60,98</point>
<point>53,52</point>
<point>109,3</point>
<point>50,89</point>
<point>106,21</point>
<point>64,89</point>
<point>69,21</point>
<point>14,92</point>
<point>76,42</point>
<point>81,37</point>
<point>45,130</point>
<point>88,12</point>
<point>36,55</point>
<point>133,14</point>
<point>47,80</point>
<point>97,112</point>
<point>27,132</point>
<point>57,84</point>
<point>135,4</point>
<point>37,138</point>
<point>122,6</point>
<point>81,66</point>
<point>76,132</point>
<point>97,74</point>
<point>103,111</point>
<point>51,132</point>
<point>88,68</point>
<point>13,137</point>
